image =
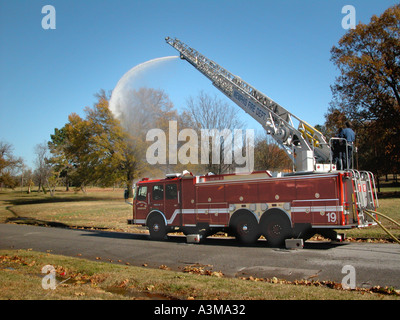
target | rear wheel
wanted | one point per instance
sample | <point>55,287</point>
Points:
<point>245,228</point>
<point>157,228</point>
<point>276,228</point>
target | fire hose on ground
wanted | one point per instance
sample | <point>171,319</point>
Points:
<point>370,214</point>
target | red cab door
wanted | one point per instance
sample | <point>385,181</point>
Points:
<point>141,204</point>
<point>172,207</point>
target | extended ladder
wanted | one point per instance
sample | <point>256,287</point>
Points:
<point>304,145</point>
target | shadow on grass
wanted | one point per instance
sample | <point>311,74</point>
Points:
<point>36,222</point>
<point>42,223</point>
<point>57,199</point>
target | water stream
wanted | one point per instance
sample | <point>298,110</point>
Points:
<point>146,74</point>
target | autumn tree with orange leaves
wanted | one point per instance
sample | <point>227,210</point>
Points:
<point>90,150</point>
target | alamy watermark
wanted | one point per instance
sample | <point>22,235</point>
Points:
<point>349,20</point>
<point>49,280</point>
<point>349,280</point>
<point>49,20</point>
<point>183,147</point>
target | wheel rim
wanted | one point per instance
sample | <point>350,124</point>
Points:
<point>243,228</point>
<point>275,230</point>
<point>157,229</point>
<point>246,229</point>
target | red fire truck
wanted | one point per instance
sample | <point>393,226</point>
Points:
<point>248,206</point>
<point>315,198</point>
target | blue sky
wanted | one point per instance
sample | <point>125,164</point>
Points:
<point>280,47</point>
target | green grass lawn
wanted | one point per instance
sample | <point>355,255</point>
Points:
<point>21,278</point>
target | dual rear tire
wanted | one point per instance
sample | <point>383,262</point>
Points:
<point>274,226</point>
<point>245,227</point>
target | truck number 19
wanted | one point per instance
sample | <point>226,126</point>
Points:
<point>331,217</point>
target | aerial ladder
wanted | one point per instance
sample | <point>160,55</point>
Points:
<point>305,145</point>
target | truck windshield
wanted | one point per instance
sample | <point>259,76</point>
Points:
<point>134,192</point>
<point>142,193</point>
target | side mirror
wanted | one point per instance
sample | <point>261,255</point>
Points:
<point>126,194</point>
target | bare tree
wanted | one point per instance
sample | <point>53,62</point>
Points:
<point>26,178</point>
<point>43,168</point>
<point>210,112</point>
<point>147,108</point>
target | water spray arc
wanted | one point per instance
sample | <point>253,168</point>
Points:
<point>118,98</point>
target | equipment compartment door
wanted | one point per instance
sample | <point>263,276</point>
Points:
<point>171,204</point>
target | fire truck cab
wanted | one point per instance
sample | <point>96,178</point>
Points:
<point>248,206</point>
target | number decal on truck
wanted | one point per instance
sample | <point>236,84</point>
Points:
<point>331,217</point>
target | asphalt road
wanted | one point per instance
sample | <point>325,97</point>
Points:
<point>374,264</point>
